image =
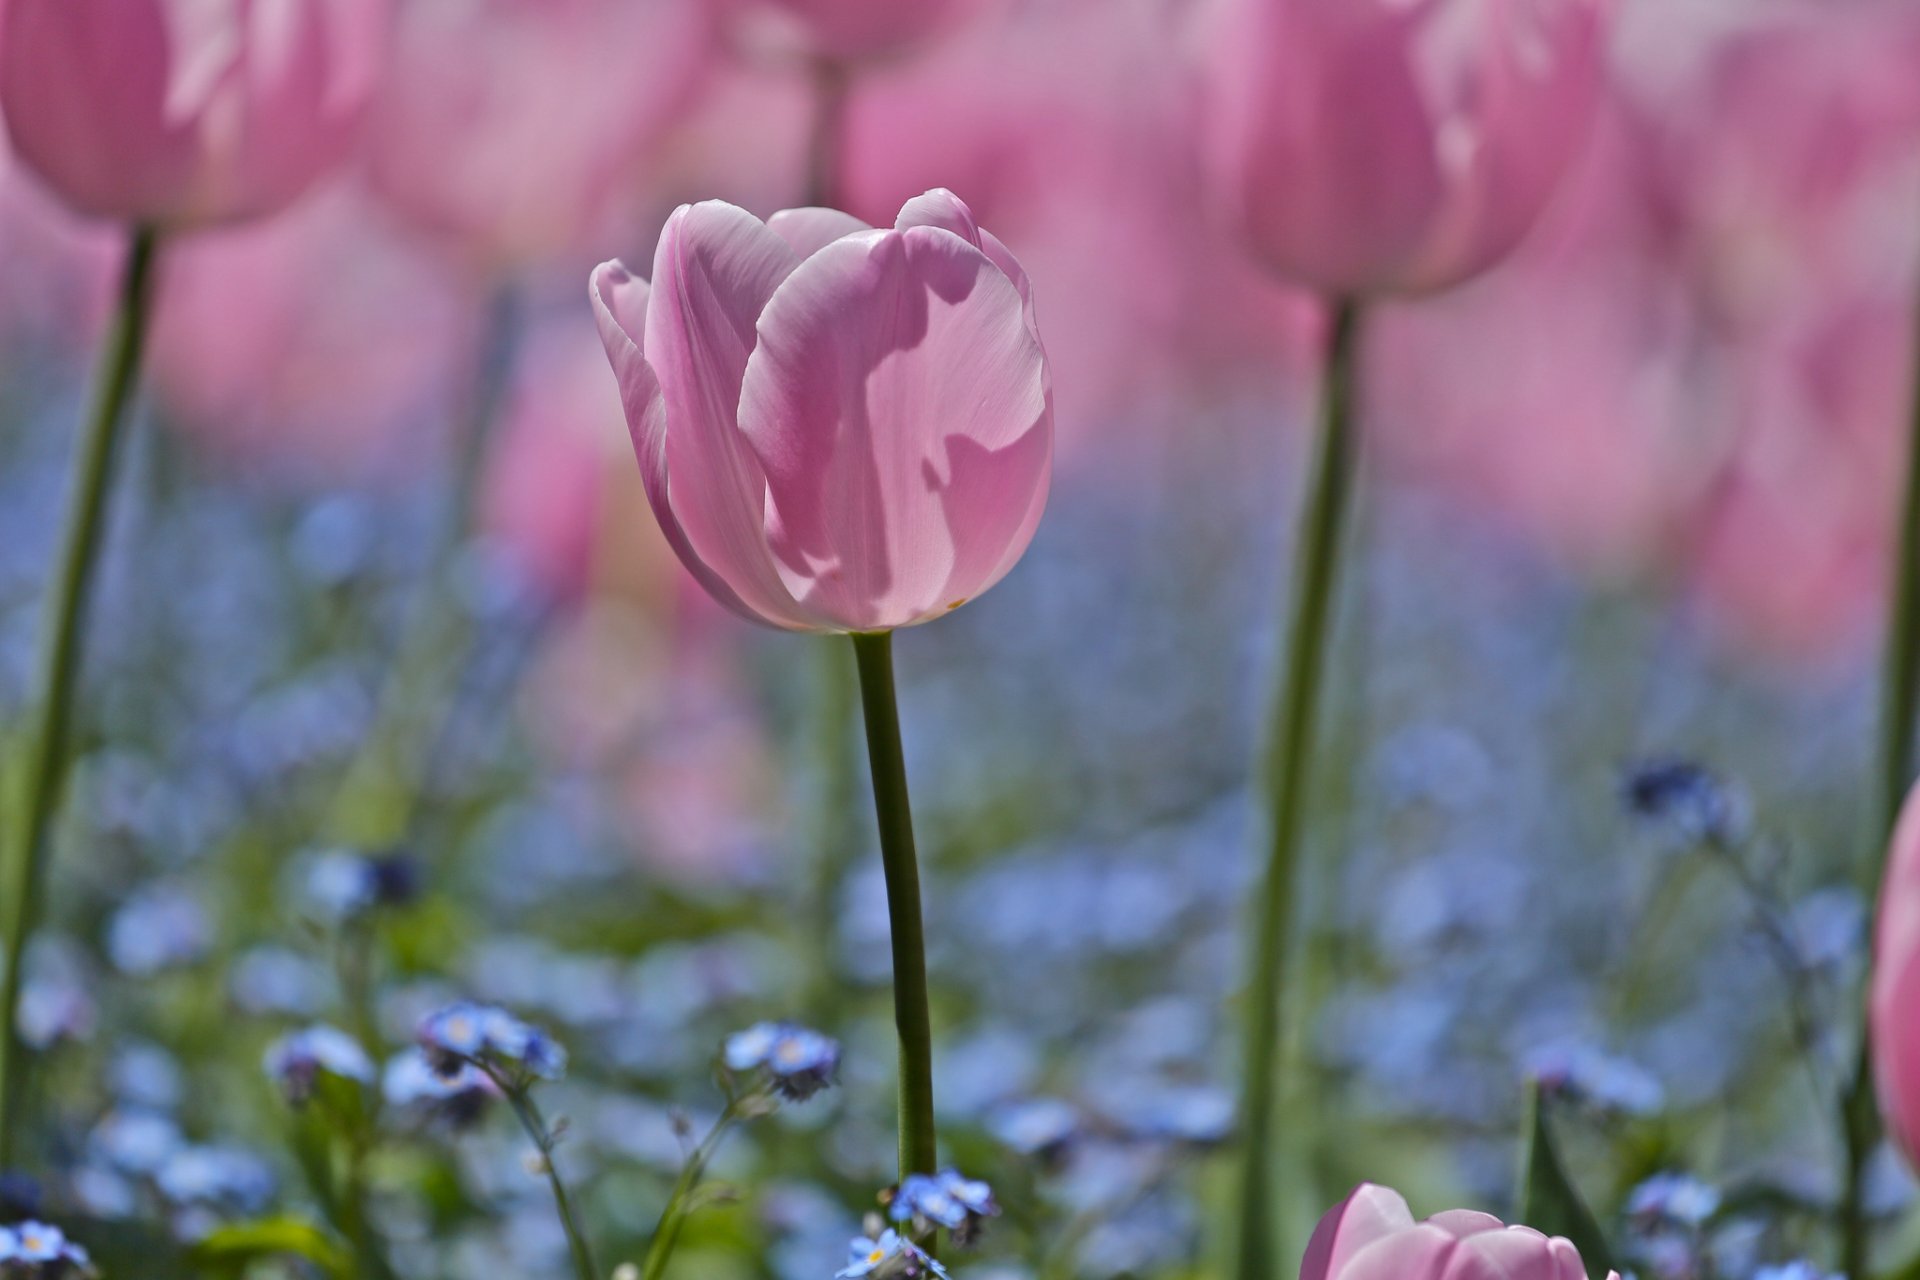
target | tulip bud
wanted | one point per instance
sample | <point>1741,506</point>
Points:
<point>182,113</point>
<point>1396,146</point>
<point>1894,999</point>
<point>840,428</point>
<point>1371,1235</point>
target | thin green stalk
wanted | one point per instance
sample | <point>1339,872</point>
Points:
<point>1289,749</point>
<point>1893,774</point>
<point>527,1111</point>
<point>827,140</point>
<point>63,641</point>
<point>874,655</point>
<point>667,1234</point>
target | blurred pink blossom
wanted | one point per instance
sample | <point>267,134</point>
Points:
<point>186,112</point>
<point>1894,1001</point>
<point>860,30</point>
<point>840,428</point>
<point>322,347</point>
<point>522,129</point>
<point>1366,147</point>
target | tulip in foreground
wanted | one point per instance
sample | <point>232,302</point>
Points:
<point>841,429</point>
<point>1371,1235</point>
<point>175,113</point>
<point>1370,146</point>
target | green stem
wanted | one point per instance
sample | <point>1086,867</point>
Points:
<point>63,640</point>
<point>667,1234</point>
<point>1289,754</point>
<point>874,655</point>
<point>1893,774</point>
<point>835,837</point>
<point>544,1141</point>
<point>827,139</point>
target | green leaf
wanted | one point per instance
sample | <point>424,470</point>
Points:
<point>245,1242</point>
<point>1549,1201</point>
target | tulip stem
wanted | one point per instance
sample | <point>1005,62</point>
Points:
<point>1290,735</point>
<point>826,141</point>
<point>63,637</point>
<point>1893,774</point>
<point>874,654</point>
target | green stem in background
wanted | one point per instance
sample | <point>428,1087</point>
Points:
<point>874,655</point>
<point>827,140</point>
<point>1289,750</point>
<point>545,1140</point>
<point>679,1205</point>
<point>833,718</point>
<point>1893,774</point>
<point>32,810</point>
<point>376,801</point>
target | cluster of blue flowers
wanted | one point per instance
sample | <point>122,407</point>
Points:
<point>888,1255</point>
<point>37,1249</point>
<point>491,1039</point>
<point>944,1199</point>
<point>798,1062</point>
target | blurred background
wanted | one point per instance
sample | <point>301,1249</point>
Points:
<point>406,697</point>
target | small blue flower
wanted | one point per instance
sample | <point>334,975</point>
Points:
<point>341,885</point>
<point>486,1036</point>
<point>1799,1269</point>
<point>411,1080</point>
<point>1592,1078</point>
<point>886,1255</point>
<point>37,1243</point>
<point>1674,1197</point>
<point>945,1199</point>
<point>296,1060</point>
<point>1694,801</point>
<point>1035,1126</point>
<point>217,1175</point>
<point>799,1062</point>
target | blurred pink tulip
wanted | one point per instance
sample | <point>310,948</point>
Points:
<point>1070,130</point>
<point>853,30</point>
<point>1371,1235</point>
<point>840,429</point>
<point>186,112</point>
<point>1377,146</point>
<point>319,348</point>
<point>1895,998</point>
<point>516,127</point>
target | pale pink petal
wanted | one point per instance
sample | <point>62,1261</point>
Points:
<point>941,208</point>
<point>1516,1253</point>
<point>713,273</point>
<point>1466,1222</point>
<point>1895,996</point>
<point>1369,1213</point>
<point>1418,1253</point>
<point>807,231</point>
<point>620,301</point>
<point>899,405</point>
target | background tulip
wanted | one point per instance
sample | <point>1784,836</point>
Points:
<point>184,112</point>
<point>841,429</point>
<point>517,128</point>
<point>1368,148</point>
<point>1371,1235</point>
<point>1895,999</point>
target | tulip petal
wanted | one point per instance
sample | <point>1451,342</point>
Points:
<point>713,273</point>
<point>1369,1213</point>
<point>1516,1253</point>
<point>1417,1253</point>
<point>899,405</point>
<point>941,208</point>
<point>1466,1222</point>
<point>620,307</point>
<point>807,231</point>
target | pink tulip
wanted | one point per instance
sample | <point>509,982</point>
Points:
<point>1397,146</point>
<point>517,128</point>
<point>320,347</point>
<point>1895,997</point>
<point>186,112</point>
<point>861,29</point>
<point>1371,1235</point>
<point>841,429</point>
